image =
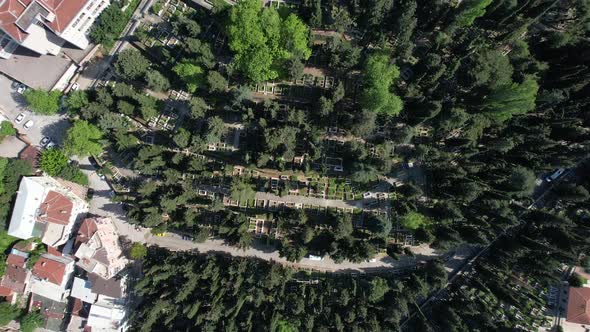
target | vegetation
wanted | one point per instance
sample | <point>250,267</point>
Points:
<point>8,313</point>
<point>83,139</point>
<point>263,41</point>
<point>43,102</point>
<point>272,300</point>
<point>111,23</point>
<point>54,162</point>
<point>31,321</point>
<point>11,170</point>
<point>138,251</point>
<point>6,129</point>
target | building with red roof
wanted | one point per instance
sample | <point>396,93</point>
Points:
<point>48,209</point>
<point>578,306</point>
<point>52,276</point>
<point>43,26</point>
<point>16,275</point>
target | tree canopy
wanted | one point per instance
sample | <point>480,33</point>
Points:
<point>43,102</point>
<point>83,139</point>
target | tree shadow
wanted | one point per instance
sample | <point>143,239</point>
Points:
<point>57,130</point>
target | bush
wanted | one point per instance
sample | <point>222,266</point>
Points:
<point>138,250</point>
<point>31,321</point>
<point>43,102</point>
<point>8,313</point>
<point>54,162</point>
<point>577,280</point>
<point>6,129</point>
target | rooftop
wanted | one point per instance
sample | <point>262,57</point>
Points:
<point>51,268</point>
<point>578,306</point>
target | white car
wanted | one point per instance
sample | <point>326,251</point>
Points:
<point>21,88</point>
<point>28,124</point>
<point>555,175</point>
<point>20,118</point>
<point>45,141</point>
<point>75,86</point>
<point>50,145</point>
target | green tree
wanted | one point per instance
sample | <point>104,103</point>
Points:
<point>377,289</point>
<point>294,34</point>
<point>8,313</point>
<point>190,73</point>
<point>156,81</point>
<point>6,129</point>
<point>470,10</point>
<point>138,250</point>
<point>131,64</point>
<point>262,41</point>
<point>125,107</point>
<point>510,100</point>
<point>379,77</point>
<point>53,161</point>
<point>576,280</point>
<point>414,220</point>
<point>216,82</point>
<point>31,321</point>
<point>182,138</point>
<point>241,190</point>
<point>198,107</point>
<point>76,101</point>
<point>43,102</point>
<point>521,181</point>
<point>83,139</point>
<point>109,25</point>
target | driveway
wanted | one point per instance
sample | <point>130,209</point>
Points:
<point>13,103</point>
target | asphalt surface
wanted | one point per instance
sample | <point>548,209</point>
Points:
<point>13,103</point>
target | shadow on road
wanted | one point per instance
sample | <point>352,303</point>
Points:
<point>57,130</point>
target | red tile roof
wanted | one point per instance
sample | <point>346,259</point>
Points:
<point>46,268</point>
<point>10,10</point>
<point>15,260</point>
<point>15,275</point>
<point>30,154</point>
<point>64,10</point>
<point>578,306</point>
<point>56,208</point>
<point>5,291</point>
<point>87,229</point>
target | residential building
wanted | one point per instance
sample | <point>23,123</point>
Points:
<point>578,309</point>
<point>99,251</point>
<point>52,277</point>
<point>43,26</point>
<point>107,299</point>
<point>54,312</point>
<point>16,276</point>
<point>48,209</point>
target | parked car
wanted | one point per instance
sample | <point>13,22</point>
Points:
<point>28,124</point>
<point>15,85</point>
<point>20,118</point>
<point>315,258</point>
<point>90,193</point>
<point>50,145</point>
<point>75,86</point>
<point>559,172</point>
<point>21,89</point>
<point>101,176</point>
<point>44,141</point>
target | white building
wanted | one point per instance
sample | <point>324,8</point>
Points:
<point>47,209</point>
<point>43,26</point>
<point>99,250</point>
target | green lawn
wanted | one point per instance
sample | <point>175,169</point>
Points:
<point>6,241</point>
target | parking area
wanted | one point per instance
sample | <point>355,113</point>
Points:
<point>12,104</point>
